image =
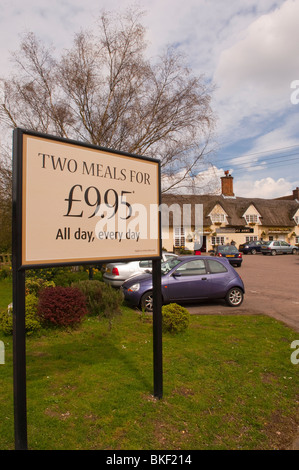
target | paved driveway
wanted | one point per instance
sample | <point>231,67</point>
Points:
<point>271,288</point>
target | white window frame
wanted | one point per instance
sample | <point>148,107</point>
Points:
<point>218,217</point>
<point>218,240</point>
<point>179,237</point>
<point>252,218</point>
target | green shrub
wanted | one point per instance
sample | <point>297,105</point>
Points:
<point>45,273</point>
<point>6,321</point>
<point>32,321</point>
<point>175,318</point>
<point>35,285</point>
<point>93,294</point>
<point>68,277</point>
<point>5,272</point>
<point>102,300</point>
<point>184,251</point>
<point>63,275</point>
<point>111,301</point>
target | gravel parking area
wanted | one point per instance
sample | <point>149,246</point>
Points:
<point>271,288</point>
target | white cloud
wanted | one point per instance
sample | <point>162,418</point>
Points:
<point>255,73</point>
<point>266,188</point>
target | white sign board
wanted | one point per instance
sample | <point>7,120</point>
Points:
<point>82,203</point>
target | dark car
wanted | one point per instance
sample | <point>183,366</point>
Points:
<point>188,278</point>
<point>230,252</point>
<point>252,247</point>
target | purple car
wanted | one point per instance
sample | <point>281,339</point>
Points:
<point>188,278</point>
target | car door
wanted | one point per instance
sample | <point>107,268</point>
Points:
<point>258,246</point>
<point>285,247</point>
<point>276,247</point>
<point>189,281</point>
<point>219,278</point>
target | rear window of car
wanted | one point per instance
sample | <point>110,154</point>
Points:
<point>227,249</point>
<point>216,267</point>
<point>145,264</point>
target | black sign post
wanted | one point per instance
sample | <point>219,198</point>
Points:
<point>19,333</point>
<point>157,330</point>
<point>20,261</point>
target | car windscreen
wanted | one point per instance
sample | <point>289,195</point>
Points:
<point>169,264</point>
<point>227,249</point>
<point>266,243</point>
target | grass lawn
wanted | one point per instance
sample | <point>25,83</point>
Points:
<point>228,384</point>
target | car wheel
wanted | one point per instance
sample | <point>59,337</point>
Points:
<point>253,251</point>
<point>234,297</point>
<point>147,301</point>
<point>294,251</point>
<point>273,252</point>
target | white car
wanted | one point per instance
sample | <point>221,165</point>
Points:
<point>117,273</point>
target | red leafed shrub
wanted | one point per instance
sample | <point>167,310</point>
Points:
<point>62,306</point>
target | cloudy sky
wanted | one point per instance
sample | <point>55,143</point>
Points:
<point>247,48</point>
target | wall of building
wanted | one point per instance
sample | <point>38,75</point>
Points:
<point>219,234</point>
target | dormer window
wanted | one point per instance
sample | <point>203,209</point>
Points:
<point>218,218</point>
<point>251,218</point>
<point>252,215</point>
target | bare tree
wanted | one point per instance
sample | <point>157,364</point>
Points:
<point>5,202</point>
<point>104,91</point>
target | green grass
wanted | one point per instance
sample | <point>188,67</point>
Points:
<point>228,384</point>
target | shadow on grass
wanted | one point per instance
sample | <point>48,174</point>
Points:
<point>104,355</point>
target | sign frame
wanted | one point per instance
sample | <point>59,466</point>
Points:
<point>20,157</point>
<point>19,270</point>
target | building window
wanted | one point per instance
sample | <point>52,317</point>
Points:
<point>251,239</point>
<point>297,239</point>
<point>251,218</point>
<point>179,236</point>
<point>296,219</point>
<point>217,240</point>
<point>218,218</point>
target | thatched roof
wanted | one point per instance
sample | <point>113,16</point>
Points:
<point>274,212</point>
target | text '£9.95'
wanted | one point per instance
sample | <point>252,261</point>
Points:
<point>92,198</point>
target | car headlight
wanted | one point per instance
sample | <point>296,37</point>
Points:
<point>134,287</point>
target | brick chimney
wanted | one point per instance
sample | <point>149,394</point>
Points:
<point>296,193</point>
<point>227,185</point>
